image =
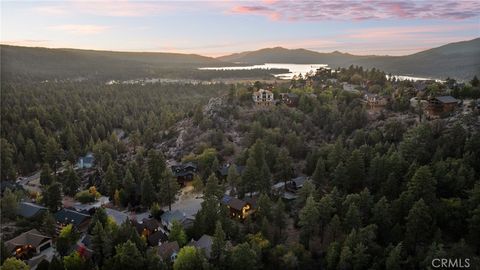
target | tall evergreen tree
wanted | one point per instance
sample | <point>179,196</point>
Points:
<point>308,220</point>
<point>147,190</point>
<point>46,175</point>
<point>52,197</point>
<point>218,245</point>
<point>283,166</point>
<point>72,182</point>
<point>418,228</point>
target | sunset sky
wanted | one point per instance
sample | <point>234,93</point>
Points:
<point>217,28</point>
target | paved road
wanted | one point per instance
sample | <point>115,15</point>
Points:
<point>32,182</point>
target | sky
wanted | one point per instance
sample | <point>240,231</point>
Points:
<point>215,28</point>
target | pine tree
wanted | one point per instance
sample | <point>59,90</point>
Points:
<point>147,190</point>
<point>394,258</point>
<point>283,166</point>
<point>265,177</point>
<point>169,189</point>
<point>341,177</point>
<point>353,219</point>
<point>264,207</point>
<point>233,179</point>
<point>46,177</point>
<point>156,167</point>
<point>279,218</point>
<point>308,220</point>
<point>249,177</point>
<point>110,182</point>
<point>127,256</point>
<point>9,203</point>
<point>177,233</point>
<point>422,186</point>
<point>129,186</point>
<point>355,170</point>
<point>218,245</point>
<point>52,153</point>
<point>31,156</point>
<point>52,197</point>
<point>320,173</point>
<point>418,228</point>
<point>326,208</point>
<point>7,168</point>
<point>72,182</point>
<point>99,239</point>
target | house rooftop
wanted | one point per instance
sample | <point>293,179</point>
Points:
<point>156,237</point>
<point>71,217</point>
<point>167,249</point>
<point>32,237</point>
<point>233,202</point>
<point>29,210</point>
<point>170,216</point>
<point>299,181</point>
<point>447,99</point>
<point>117,216</point>
<point>205,242</point>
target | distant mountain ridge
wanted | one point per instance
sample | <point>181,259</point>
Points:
<point>460,60</point>
<point>74,63</point>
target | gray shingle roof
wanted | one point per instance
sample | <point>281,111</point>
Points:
<point>447,99</point>
<point>30,210</point>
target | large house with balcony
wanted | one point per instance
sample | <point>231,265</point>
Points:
<point>263,98</point>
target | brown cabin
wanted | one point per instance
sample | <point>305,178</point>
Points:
<point>290,99</point>
<point>442,104</point>
<point>238,208</point>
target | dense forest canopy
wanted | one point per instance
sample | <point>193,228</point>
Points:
<point>385,190</point>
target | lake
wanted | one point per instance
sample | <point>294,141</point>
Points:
<point>294,69</point>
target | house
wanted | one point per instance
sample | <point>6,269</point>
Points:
<point>204,243</point>
<point>374,100</point>
<point>152,230</point>
<point>157,238</point>
<point>263,98</point>
<point>86,162</point>
<point>11,185</point>
<point>442,104</point>
<point>170,216</point>
<point>168,251</point>
<point>28,244</point>
<point>84,246</point>
<point>238,208</point>
<point>117,216</point>
<point>296,183</point>
<point>66,216</point>
<point>280,190</point>
<point>222,172</point>
<point>184,172</point>
<point>349,87</point>
<point>290,99</point>
<point>30,210</point>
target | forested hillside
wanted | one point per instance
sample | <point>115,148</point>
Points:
<point>40,64</point>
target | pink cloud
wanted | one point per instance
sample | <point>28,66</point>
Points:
<point>360,10</point>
